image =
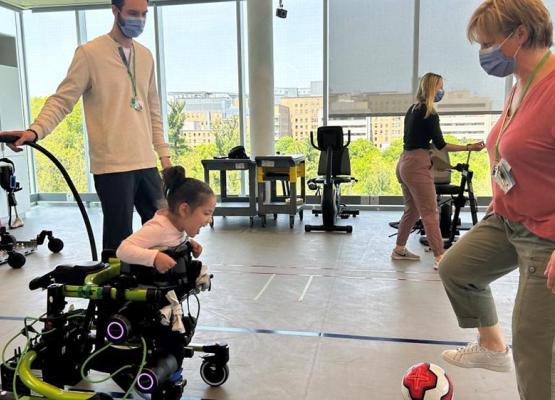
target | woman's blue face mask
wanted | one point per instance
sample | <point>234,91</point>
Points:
<point>495,63</point>
<point>439,95</point>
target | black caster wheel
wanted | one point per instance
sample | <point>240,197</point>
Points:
<point>55,245</point>
<point>251,221</point>
<point>307,228</point>
<point>8,239</point>
<point>16,260</point>
<point>349,229</point>
<point>214,374</point>
<point>291,221</point>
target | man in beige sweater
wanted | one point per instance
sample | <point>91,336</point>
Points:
<point>116,77</point>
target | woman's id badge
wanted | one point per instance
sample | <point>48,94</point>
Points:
<point>503,177</point>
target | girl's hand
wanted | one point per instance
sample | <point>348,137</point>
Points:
<point>550,273</point>
<point>163,262</point>
<point>196,247</point>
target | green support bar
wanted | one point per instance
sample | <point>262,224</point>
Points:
<point>47,390</point>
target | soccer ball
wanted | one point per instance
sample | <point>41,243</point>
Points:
<point>426,381</point>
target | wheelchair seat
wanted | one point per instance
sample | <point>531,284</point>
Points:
<point>441,169</point>
<point>67,274</point>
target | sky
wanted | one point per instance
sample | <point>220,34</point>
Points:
<point>370,45</point>
<point>200,42</point>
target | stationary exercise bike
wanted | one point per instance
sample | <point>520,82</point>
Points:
<point>450,198</point>
<point>134,327</point>
<point>334,166</point>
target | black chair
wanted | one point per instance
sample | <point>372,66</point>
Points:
<point>334,168</point>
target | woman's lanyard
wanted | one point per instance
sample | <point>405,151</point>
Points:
<point>135,102</point>
<point>505,124</point>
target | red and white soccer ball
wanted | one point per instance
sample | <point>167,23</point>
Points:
<point>426,381</point>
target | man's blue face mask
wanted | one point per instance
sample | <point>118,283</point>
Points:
<point>495,63</point>
<point>131,27</point>
<point>439,95</point>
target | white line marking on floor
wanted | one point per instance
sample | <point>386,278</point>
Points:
<point>265,287</point>
<point>306,288</point>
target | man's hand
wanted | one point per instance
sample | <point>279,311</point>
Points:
<point>163,262</point>
<point>24,136</point>
<point>550,273</point>
<point>196,247</point>
<point>165,162</point>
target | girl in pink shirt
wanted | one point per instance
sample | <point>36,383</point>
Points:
<point>191,204</point>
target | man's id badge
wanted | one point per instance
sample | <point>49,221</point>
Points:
<point>503,177</point>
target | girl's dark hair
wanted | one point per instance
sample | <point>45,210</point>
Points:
<point>179,189</point>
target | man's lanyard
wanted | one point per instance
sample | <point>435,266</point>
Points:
<point>505,123</point>
<point>130,72</point>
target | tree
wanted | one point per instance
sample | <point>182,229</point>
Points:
<point>66,142</point>
<point>176,120</point>
<point>226,134</point>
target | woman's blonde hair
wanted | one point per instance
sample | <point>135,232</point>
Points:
<point>505,16</point>
<point>427,91</point>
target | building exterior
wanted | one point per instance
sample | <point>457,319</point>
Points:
<point>305,115</point>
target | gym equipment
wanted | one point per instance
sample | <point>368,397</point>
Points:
<point>281,168</point>
<point>9,183</point>
<point>13,251</point>
<point>133,328</point>
<point>230,205</point>
<point>334,166</point>
<point>450,198</point>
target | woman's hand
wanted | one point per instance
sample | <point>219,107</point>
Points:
<point>163,262</point>
<point>196,247</point>
<point>475,146</point>
<point>550,273</point>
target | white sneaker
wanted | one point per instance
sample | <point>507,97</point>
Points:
<point>473,355</point>
<point>405,255</point>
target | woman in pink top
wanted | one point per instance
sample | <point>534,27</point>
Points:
<point>191,204</point>
<point>519,228</point>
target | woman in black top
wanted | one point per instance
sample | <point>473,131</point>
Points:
<point>414,168</point>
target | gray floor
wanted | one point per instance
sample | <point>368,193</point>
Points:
<point>307,316</point>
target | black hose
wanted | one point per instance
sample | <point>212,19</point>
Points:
<point>11,139</point>
<point>75,195</point>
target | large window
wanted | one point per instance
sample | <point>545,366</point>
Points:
<point>7,22</point>
<point>200,44</point>
<point>50,44</point>
<point>370,56</point>
<point>298,78</point>
<point>444,49</point>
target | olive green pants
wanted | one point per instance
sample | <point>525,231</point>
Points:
<point>493,248</point>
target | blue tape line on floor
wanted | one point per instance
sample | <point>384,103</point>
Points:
<point>328,335</point>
